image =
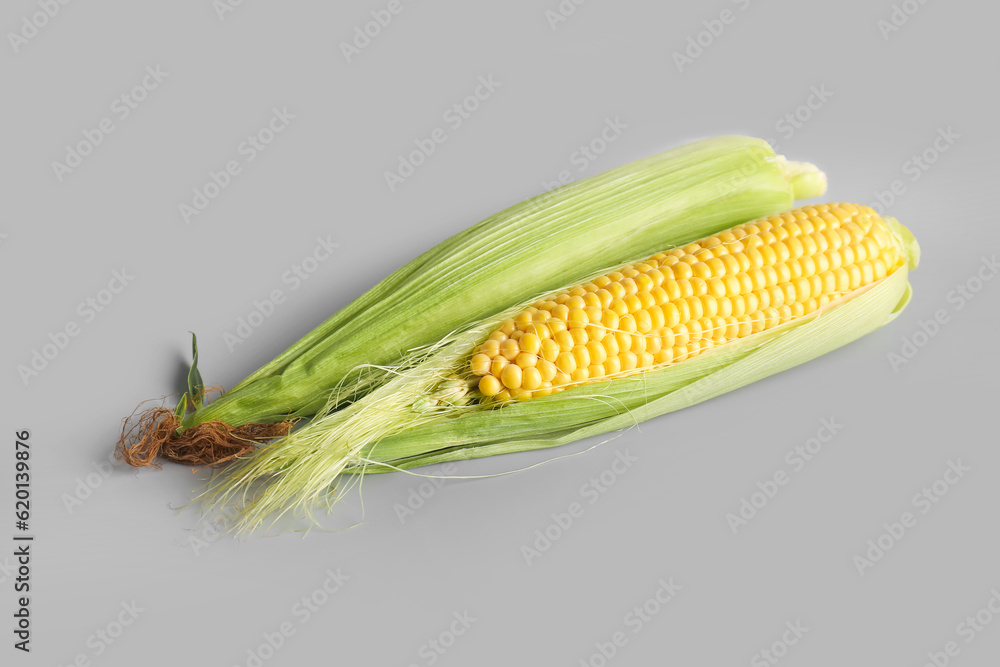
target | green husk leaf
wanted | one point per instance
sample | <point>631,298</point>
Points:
<point>196,386</point>
<point>181,406</point>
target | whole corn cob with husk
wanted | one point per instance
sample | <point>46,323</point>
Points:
<point>538,245</point>
<point>652,336</point>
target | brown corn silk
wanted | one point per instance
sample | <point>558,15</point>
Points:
<point>152,435</point>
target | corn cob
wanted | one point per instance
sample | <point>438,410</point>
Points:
<point>720,313</point>
<point>678,304</point>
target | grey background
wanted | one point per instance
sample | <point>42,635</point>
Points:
<point>208,601</point>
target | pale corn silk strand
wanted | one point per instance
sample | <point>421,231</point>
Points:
<point>300,471</point>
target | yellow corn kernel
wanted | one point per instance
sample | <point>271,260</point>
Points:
<point>531,379</point>
<point>480,364</point>
<point>610,345</point>
<point>612,365</point>
<point>509,349</point>
<point>530,343</point>
<point>656,318</point>
<point>525,360</point>
<point>597,352</point>
<point>564,339</point>
<point>547,370</point>
<point>489,385</point>
<point>566,362</point>
<point>511,376</point>
<point>497,366</point>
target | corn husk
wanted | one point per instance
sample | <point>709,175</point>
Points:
<point>554,239</point>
